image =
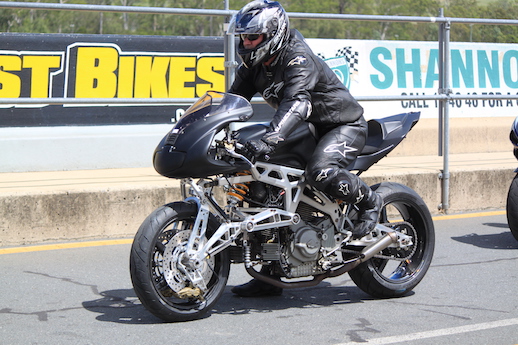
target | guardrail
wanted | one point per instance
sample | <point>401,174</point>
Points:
<point>444,94</point>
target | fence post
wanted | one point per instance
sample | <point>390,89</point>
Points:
<point>444,115</point>
<point>441,83</point>
<point>229,52</point>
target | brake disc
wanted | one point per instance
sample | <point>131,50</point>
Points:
<point>173,253</point>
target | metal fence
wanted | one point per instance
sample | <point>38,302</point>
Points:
<point>444,94</point>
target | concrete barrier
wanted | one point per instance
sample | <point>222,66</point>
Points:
<point>77,215</point>
<point>62,206</point>
<point>467,135</point>
<point>469,190</point>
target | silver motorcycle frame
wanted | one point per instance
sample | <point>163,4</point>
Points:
<point>239,221</point>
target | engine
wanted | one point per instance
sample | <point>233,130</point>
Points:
<point>300,255</point>
<point>296,250</point>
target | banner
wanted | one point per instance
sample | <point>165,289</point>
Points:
<point>105,66</point>
<point>389,68</point>
<point>113,66</point>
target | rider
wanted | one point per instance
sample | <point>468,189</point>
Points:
<point>279,65</point>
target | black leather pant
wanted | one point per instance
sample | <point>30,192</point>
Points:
<point>335,151</point>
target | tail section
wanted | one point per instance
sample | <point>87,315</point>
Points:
<point>384,135</point>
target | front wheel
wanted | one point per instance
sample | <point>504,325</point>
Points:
<point>394,273</point>
<point>512,207</point>
<point>157,273</point>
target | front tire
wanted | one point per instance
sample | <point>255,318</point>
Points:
<point>512,207</point>
<point>384,278</point>
<point>158,281</point>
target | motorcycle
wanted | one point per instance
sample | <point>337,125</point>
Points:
<point>262,212</point>
<point>511,206</point>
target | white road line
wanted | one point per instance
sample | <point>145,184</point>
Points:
<point>437,333</point>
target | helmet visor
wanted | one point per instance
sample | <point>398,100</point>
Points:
<point>250,37</point>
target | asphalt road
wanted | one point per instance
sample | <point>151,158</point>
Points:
<point>84,296</point>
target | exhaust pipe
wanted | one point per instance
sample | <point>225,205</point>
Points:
<point>369,251</point>
<point>366,254</point>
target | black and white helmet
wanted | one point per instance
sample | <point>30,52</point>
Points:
<point>261,17</point>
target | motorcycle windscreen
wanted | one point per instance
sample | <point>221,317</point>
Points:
<point>188,150</point>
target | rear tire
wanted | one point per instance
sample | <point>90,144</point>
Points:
<point>512,207</point>
<point>384,278</point>
<point>156,278</point>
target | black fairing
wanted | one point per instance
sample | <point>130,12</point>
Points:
<point>384,135</point>
<point>186,151</point>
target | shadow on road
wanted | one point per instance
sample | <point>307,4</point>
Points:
<point>122,306</point>
<point>322,295</point>
<point>503,240</point>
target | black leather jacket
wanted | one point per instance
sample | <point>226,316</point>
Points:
<point>300,86</point>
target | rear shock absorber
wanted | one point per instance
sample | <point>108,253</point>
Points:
<point>238,191</point>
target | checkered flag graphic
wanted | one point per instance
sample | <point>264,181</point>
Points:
<point>350,55</point>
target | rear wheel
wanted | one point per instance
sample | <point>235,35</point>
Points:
<point>394,273</point>
<point>512,207</point>
<point>157,274</point>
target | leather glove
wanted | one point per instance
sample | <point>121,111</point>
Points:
<point>258,148</point>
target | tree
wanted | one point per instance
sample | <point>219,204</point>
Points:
<point>50,21</point>
<point>501,9</point>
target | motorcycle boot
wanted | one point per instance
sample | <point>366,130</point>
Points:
<point>350,188</point>
<point>370,207</point>
<point>257,288</point>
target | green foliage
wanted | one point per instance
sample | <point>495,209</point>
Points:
<point>501,9</point>
<point>51,21</point>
